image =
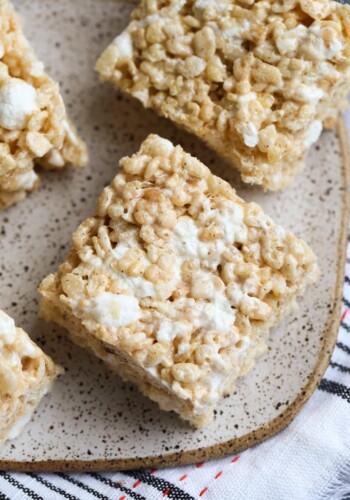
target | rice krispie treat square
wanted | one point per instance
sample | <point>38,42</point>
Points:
<point>176,281</point>
<point>33,121</point>
<point>26,375</point>
<point>257,80</point>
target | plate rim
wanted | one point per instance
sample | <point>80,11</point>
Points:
<point>272,427</point>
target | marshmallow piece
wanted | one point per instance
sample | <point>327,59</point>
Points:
<point>18,100</point>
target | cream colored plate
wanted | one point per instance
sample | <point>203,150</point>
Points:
<point>93,420</point>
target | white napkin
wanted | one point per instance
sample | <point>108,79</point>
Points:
<point>309,460</point>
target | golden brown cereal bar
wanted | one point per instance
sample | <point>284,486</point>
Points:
<point>256,79</point>
<point>176,281</point>
<point>26,375</point>
<point>33,121</point>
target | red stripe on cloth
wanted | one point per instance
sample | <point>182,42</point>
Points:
<point>137,483</point>
<point>153,471</point>
<point>166,492</point>
<point>199,465</point>
<point>204,490</point>
<point>182,478</point>
<point>343,316</point>
<point>122,498</point>
<point>218,475</point>
<point>234,460</point>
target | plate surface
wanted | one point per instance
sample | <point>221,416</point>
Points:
<point>93,420</point>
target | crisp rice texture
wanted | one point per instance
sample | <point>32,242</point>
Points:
<point>26,375</point>
<point>257,80</point>
<point>176,281</point>
<point>33,121</point>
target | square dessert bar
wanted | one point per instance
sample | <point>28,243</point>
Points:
<point>176,281</point>
<point>255,79</point>
<point>26,375</point>
<point>33,121</point>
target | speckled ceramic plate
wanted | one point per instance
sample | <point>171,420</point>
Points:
<point>93,420</point>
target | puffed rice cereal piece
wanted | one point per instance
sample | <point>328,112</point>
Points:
<point>176,281</point>
<point>256,80</point>
<point>26,375</point>
<point>34,126</point>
